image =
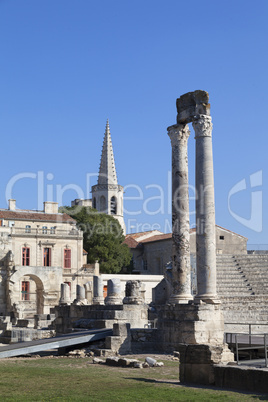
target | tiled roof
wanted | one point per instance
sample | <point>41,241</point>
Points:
<point>34,216</point>
<point>132,240</point>
<point>139,234</point>
<point>165,236</point>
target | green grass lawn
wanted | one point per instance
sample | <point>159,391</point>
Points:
<point>77,379</point>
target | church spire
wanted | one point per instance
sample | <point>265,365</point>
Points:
<point>107,172</point>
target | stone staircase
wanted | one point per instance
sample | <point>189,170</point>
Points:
<point>242,286</point>
<point>231,281</point>
<point>255,268</point>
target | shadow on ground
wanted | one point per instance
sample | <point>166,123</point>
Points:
<point>260,397</point>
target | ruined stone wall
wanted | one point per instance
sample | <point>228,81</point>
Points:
<point>144,339</point>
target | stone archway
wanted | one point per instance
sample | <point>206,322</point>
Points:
<point>47,284</point>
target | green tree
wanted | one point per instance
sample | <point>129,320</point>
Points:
<point>103,238</point>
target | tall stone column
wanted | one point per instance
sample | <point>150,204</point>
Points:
<point>205,212</point>
<point>181,268</point>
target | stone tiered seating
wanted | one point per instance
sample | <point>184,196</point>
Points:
<point>255,269</point>
<point>242,286</point>
<point>231,281</point>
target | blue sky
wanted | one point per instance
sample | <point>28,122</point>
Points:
<point>66,66</point>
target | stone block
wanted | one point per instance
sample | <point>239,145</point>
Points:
<point>121,329</point>
<point>243,378</point>
<point>192,104</point>
<point>112,361</point>
<point>196,362</point>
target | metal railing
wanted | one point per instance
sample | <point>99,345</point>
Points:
<point>255,342</point>
<point>248,341</point>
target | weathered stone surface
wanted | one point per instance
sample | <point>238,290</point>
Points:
<point>133,293</point>
<point>65,294</point>
<point>77,353</point>
<point>144,339</point>
<point>123,362</point>
<point>196,362</point>
<point>138,365</point>
<point>192,104</point>
<point>205,212</point>
<point>96,360</point>
<point>113,292</point>
<point>120,342</point>
<point>80,296</point>
<point>97,290</point>
<point>150,361</point>
<point>112,361</point>
<point>190,324</point>
<point>243,378</point>
<point>181,268</point>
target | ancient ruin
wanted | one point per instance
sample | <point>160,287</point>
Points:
<point>194,327</point>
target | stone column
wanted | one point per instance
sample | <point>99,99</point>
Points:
<point>205,212</point>
<point>80,295</point>
<point>133,293</point>
<point>97,290</point>
<point>181,268</point>
<point>113,292</point>
<point>65,294</point>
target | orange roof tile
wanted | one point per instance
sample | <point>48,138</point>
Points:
<point>34,216</point>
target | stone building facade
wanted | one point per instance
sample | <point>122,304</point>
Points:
<point>39,250</point>
<point>152,250</point>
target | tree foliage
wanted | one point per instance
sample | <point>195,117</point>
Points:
<point>103,238</point>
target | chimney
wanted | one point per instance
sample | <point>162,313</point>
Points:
<point>50,207</point>
<point>12,205</point>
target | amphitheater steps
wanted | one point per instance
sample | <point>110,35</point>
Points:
<point>230,280</point>
<point>255,269</point>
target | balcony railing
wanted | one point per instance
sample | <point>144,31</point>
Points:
<point>46,232</point>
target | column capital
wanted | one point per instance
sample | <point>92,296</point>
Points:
<point>178,133</point>
<point>202,125</point>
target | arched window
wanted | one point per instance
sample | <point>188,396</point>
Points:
<point>94,203</point>
<point>102,203</point>
<point>113,206</point>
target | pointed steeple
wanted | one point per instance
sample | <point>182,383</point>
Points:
<point>107,172</point>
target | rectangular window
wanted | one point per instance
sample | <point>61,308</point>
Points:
<point>47,257</point>
<point>53,230</point>
<point>44,228</point>
<point>25,256</point>
<point>67,258</point>
<point>25,290</point>
<point>221,237</point>
<point>28,229</point>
